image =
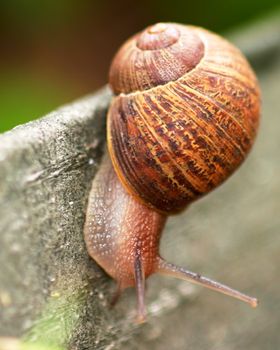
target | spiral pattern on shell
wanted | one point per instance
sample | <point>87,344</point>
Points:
<point>185,114</point>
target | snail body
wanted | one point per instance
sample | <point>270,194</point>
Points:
<point>184,117</point>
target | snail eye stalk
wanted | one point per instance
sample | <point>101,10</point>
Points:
<point>168,269</point>
<point>140,289</point>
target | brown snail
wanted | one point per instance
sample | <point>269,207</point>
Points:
<point>184,117</point>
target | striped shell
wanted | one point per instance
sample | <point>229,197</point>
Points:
<point>185,114</point>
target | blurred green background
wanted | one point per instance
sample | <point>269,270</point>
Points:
<point>55,51</point>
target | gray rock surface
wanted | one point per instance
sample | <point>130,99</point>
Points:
<point>53,295</point>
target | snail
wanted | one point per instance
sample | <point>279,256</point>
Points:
<point>183,118</point>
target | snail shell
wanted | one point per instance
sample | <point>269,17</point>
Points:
<point>185,115</point>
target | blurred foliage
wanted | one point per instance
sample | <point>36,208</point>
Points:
<point>55,51</point>
<point>23,97</point>
<point>217,15</point>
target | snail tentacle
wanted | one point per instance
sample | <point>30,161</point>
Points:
<point>169,269</point>
<point>140,288</point>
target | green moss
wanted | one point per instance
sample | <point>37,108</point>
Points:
<point>39,346</point>
<point>54,328</point>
